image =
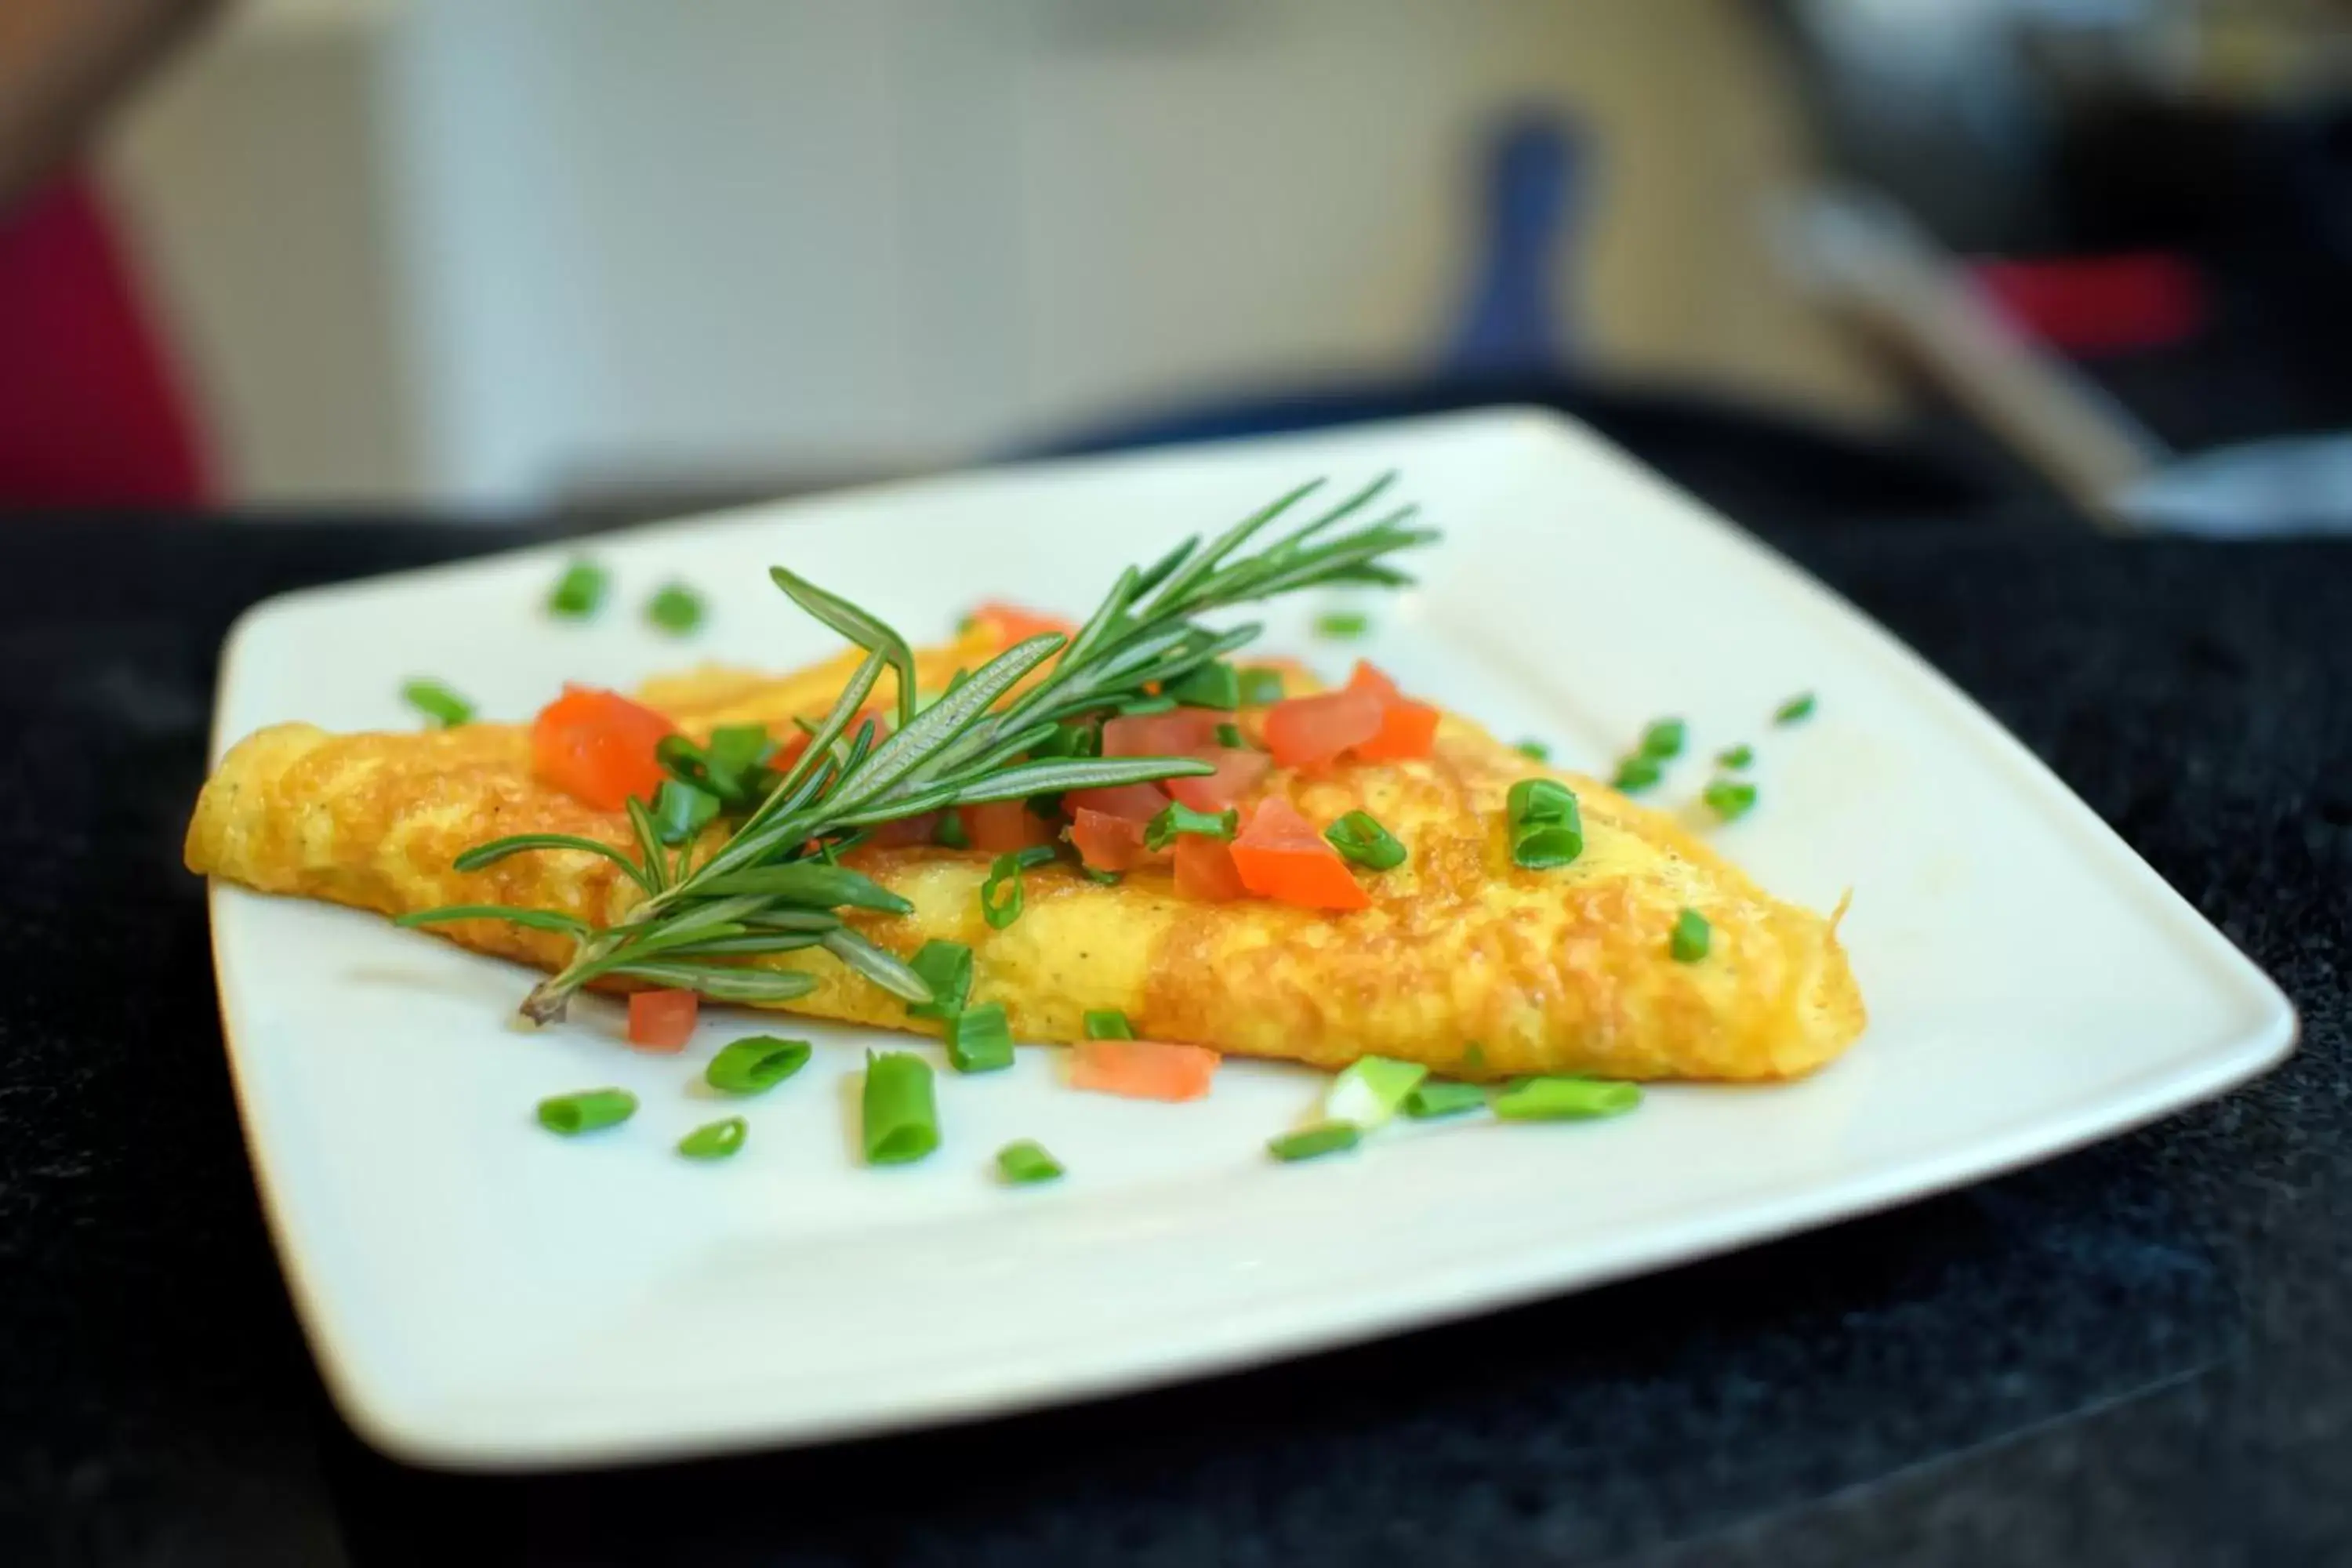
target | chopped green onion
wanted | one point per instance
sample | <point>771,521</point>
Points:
<point>1798,707</point>
<point>1261,687</point>
<point>1635,773</point>
<point>572,1114</point>
<point>1547,828</point>
<point>439,703</point>
<point>1002,897</point>
<point>681,810</point>
<point>1026,1162</point>
<point>1565,1098</point>
<point>714,1141</point>
<point>1689,941</point>
<point>1359,836</point>
<point>1369,1091</point>
<point>978,1039</point>
<point>946,968</point>
<point>755,1064</point>
<point>1163,703</point>
<point>1440,1098</point>
<point>579,593</point>
<point>675,609</point>
<point>1342,624</point>
<point>1535,748</point>
<point>733,756</point>
<point>950,834</point>
<point>1069,740</point>
<point>1473,1057</point>
<point>1214,685</point>
<point>1664,738</point>
<point>1230,735</point>
<point>1109,1024</point>
<point>1107,879</point>
<point>1312,1142</point>
<point>1729,798</point>
<point>1738,756</point>
<point>1177,819</point>
<point>900,1118</point>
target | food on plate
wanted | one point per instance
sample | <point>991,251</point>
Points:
<point>1041,825</point>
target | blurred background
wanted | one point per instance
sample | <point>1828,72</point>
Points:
<point>1820,257</point>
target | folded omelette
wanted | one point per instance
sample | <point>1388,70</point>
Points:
<point>1464,962</point>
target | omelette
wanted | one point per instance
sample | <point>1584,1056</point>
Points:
<point>1465,960</point>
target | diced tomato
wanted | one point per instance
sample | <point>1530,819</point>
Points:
<point>905,831</point>
<point>1178,733</point>
<point>1143,1070</point>
<point>1205,870</point>
<point>1107,842</point>
<point>598,747</point>
<point>1013,623</point>
<point>1369,677</point>
<point>1238,773</point>
<point>662,1020</point>
<point>1303,732</point>
<point>1407,730</point>
<point>1280,856</point>
<point>1134,803</point>
<point>1004,825</point>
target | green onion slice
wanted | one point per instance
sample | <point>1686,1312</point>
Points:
<point>1109,1024</point>
<point>1635,773</point>
<point>1068,740</point>
<point>1313,1143</point>
<point>950,834</point>
<point>1163,703</point>
<point>1690,939</point>
<point>1342,624</point>
<point>946,968</point>
<point>1002,897</point>
<point>978,1039</point>
<point>681,810</point>
<point>1439,1097</point>
<point>1794,710</point>
<point>900,1118</point>
<point>1260,687</point>
<point>1729,799</point>
<point>714,1141</point>
<point>1664,738</point>
<point>1371,1089</point>
<point>1025,1163</point>
<point>755,1064</point>
<point>1565,1099</point>
<point>675,609</point>
<point>1178,819</point>
<point>1230,735</point>
<point>579,593</point>
<point>1214,685</point>
<point>1547,828</point>
<point>1738,756</point>
<point>572,1114</point>
<point>439,703</point>
<point>1359,836</point>
<point>1536,750</point>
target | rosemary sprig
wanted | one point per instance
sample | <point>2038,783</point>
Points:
<point>772,887</point>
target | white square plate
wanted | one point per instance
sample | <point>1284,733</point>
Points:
<point>479,1293</point>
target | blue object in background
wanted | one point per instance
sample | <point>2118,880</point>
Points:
<point>1535,181</point>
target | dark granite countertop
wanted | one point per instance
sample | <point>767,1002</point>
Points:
<point>2139,1354</point>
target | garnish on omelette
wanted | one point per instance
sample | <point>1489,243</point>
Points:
<point>1039,825</point>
